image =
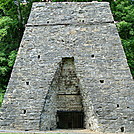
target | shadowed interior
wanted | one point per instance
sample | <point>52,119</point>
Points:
<point>70,119</point>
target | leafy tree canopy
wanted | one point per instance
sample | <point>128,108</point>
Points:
<point>13,17</point>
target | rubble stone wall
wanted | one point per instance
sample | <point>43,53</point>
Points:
<point>86,32</point>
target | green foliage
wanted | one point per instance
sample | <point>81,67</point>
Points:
<point>129,50</point>
<point>11,58</point>
<point>125,29</point>
<point>1,98</point>
<point>74,0</point>
<point>13,17</point>
<point>5,24</point>
<point>123,12</point>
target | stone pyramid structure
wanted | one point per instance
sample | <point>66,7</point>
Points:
<point>70,72</point>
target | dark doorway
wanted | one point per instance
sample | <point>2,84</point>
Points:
<point>70,119</point>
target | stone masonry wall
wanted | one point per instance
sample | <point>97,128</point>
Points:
<point>64,94</point>
<point>86,32</point>
<point>68,94</point>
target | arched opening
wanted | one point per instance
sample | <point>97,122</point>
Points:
<point>69,101</point>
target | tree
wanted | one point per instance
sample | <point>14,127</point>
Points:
<point>123,12</point>
<point>13,17</point>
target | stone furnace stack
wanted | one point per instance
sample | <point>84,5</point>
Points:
<point>70,72</point>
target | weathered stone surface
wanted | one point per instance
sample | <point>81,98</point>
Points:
<point>98,79</point>
<point>55,13</point>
